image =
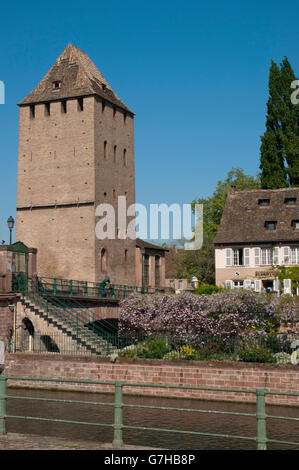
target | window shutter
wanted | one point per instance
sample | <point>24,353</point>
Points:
<point>287,283</point>
<point>286,255</point>
<point>257,285</point>
<point>246,256</point>
<point>257,256</point>
<point>276,285</point>
<point>293,255</point>
<point>228,284</point>
<point>247,284</point>
<point>228,257</point>
<point>275,256</point>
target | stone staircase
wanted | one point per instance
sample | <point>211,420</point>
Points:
<point>69,323</point>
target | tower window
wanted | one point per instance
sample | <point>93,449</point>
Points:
<point>105,149</point>
<point>47,109</point>
<point>63,106</point>
<point>103,260</point>
<point>56,85</point>
<point>114,153</point>
<point>125,157</point>
<point>103,106</point>
<point>125,118</point>
<point>32,111</point>
<point>80,104</point>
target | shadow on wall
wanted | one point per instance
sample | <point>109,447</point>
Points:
<point>48,344</point>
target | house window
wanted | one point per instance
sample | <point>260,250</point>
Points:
<point>180,284</point>
<point>270,225</point>
<point>264,202</point>
<point>171,283</point>
<point>80,104</point>
<point>295,255</point>
<point>290,201</point>
<point>295,224</point>
<point>238,284</point>
<point>157,271</point>
<point>238,257</point>
<point>267,256</point>
<point>146,269</point>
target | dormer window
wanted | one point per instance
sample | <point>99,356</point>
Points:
<point>270,225</point>
<point>56,85</point>
<point>264,202</point>
<point>290,201</point>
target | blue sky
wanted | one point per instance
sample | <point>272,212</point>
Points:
<point>195,73</point>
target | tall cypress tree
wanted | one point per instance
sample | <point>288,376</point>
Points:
<point>273,174</point>
<point>279,159</point>
<point>289,120</point>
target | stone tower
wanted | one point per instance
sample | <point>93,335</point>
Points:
<point>76,151</point>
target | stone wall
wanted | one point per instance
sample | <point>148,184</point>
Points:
<point>238,376</point>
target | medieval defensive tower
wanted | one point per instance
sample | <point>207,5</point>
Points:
<point>76,151</point>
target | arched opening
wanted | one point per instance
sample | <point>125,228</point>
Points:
<point>104,260</point>
<point>28,335</point>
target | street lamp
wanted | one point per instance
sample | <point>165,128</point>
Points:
<point>10,223</point>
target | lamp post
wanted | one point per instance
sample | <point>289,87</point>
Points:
<point>10,223</point>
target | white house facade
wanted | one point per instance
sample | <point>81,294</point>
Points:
<point>259,231</point>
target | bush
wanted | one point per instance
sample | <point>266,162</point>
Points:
<point>207,289</point>
<point>151,348</point>
<point>256,354</point>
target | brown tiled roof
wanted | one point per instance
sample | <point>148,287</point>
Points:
<point>78,76</point>
<point>243,219</point>
<point>141,243</point>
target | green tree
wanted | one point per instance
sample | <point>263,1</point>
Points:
<point>201,263</point>
<point>279,158</point>
<point>289,121</point>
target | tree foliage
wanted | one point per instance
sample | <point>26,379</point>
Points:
<point>201,263</point>
<point>279,159</point>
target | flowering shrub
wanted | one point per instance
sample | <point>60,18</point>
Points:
<point>236,313</point>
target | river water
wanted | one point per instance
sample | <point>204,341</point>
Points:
<point>187,421</point>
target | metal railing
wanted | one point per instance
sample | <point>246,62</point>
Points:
<point>201,348</point>
<point>118,405</point>
<point>82,289</point>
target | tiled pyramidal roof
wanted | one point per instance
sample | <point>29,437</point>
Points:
<point>78,76</point>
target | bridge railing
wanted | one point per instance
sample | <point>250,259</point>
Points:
<point>119,425</point>
<point>87,289</point>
